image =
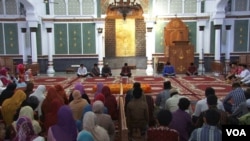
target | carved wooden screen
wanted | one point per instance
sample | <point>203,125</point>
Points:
<point>175,30</point>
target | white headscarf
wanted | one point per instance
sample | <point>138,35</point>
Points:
<point>39,93</point>
<point>89,124</point>
<point>28,112</point>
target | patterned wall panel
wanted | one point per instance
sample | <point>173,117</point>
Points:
<point>159,37</point>
<point>74,7</point>
<point>60,7</point>
<point>241,31</point>
<point>241,5</point>
<point>140,32</point>
<point>88,7</point>
<point>212,38</point>
<point>88,32</point>
<point>192,33</point>
<point>1,39</point>
<point>11,38</point>
<point>1,8</point>
<point>11,7</point>
<point>61,44</point>
<point>39,40</point>
<point>162,7</point>
<point>75,45</point>
<point>176,6</point>
<point>190,6</point>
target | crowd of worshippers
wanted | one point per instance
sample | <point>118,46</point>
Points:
<point>238,73</point>
<point>49,113</point>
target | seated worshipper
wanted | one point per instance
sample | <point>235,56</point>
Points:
<point>212,104</point>
<point>25,130</point>
<point>39,93</point>
<point>242,108</point>
<point>110,103</point>
<point>106,71</point>
<point>137,116</point>
<point>181,120</point>
<point>232,72</point>
<point>104,120</point>
<point>90,125</point>
<point>201,105</point>
<point>245,119</point>
<point>65,128</point>
<point>191,70</point>
<point>79,86</point>
<point>162,132</point>
<point>82,71</point>
<point>29,113</point>
<point>29,88</point>
<point>95,71</point>
<point>7,92</point>
<point>168,70</point>
<point>85,136</point>
<point>62,93</point>
<point>234,98</point>
<point>209,131</point>
<point>77,105</point>
<point>99,86</point>
<point>28,76</point>
<point>11,105</point>
<point>163,95</point>
<point>244,73</point>
<point>88,108</point>
<point>50,106</point>
<point>126,71</point>
<point>246,81</point>
<point>21,76</point>
<point>171,103</point>
<point>4,77</point>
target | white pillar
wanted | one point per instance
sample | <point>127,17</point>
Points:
<point>217,53</point>
<point>23,46</point>
<point>228,39</point>
<point>33,45</point>
<point>99,47</point>
<point>201,68</point>
<point>149,45</point>
<point>50,70</point>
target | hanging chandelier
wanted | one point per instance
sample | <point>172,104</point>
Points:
<point>125,7</point>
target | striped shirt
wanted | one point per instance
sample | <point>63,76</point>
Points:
<point>206,133</point>
<point>236,96</point>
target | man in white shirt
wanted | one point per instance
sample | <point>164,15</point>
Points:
<point>82,71</point>
<point>244,73</point>
<point>171,103</point>
<point>201,105</point>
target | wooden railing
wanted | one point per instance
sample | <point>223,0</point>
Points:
<point>123,129</point>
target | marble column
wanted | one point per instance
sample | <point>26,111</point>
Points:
<point>33,31</point>
<point>228,49</point>
<point>201,68</point>
<point>100,47</point>
<point>217,53</point>
<point>24,52</point>
<point>50,70</point>
<point>149,45</point>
